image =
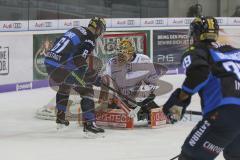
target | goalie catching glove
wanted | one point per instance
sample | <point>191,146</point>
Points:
<point>175,108</point>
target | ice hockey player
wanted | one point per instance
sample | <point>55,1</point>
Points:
<point>212,70</point>
<point>67,68</point>
<point>129,70</point>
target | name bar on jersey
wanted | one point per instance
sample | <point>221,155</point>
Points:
<point>63,24</point>
<point>219,56</point>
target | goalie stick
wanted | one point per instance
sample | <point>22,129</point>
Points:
<point>138,107</point>
<point>133,112</point>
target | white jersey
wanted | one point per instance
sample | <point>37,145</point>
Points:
<point>129,77</point>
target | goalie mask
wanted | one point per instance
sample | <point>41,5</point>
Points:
<point>125,51</point>
<point>99,24</point>
<point>204,28</point>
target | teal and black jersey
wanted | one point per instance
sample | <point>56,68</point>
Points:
<point>213,70</point>
<point>71,50</point>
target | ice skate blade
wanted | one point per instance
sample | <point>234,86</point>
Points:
<point>91,135</point>
<point>61,127</point>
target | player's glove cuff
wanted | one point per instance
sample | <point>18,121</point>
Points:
<point>174,105</point>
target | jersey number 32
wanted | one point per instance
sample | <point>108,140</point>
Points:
<point>234,67</point>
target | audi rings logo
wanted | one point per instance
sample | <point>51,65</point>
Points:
<point>17,25</point>
<point>159,21</point>
<point>187,21</point>
<point>48,24</point>
<point>220,21</point>
<point>130,22</point>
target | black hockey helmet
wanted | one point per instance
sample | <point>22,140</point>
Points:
<point>204,28</point>
<point>98,24</point>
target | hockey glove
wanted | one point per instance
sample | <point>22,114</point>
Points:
<point>145,106</point>
<point>148,103</point>
<point>174,108</point>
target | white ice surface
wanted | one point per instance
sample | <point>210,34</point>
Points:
<point>23,137</point>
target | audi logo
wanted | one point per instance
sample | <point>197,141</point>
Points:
<point>17,25</point>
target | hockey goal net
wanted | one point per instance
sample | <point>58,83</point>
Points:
<point>105,49</point>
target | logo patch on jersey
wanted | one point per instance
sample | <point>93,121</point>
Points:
<point>212,147</point>
<point>90,41</point>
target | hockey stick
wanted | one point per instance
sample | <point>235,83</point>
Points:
<point>80,80</point>
<point>193,112</point>
<point>132,112</point>
<point>138,107</point>
<point>175,157</point>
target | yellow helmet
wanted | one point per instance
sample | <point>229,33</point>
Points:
<point>125,50</point>
<point>126,46</point>
<point>204,28</point>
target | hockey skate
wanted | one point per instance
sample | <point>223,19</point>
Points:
<point>61,121</point>
<point>91,130</point>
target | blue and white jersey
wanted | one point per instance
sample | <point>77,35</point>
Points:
<point>213,70</point>
<point>71,50</point>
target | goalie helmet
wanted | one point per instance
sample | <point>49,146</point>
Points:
<point>204,28</point>
<point>125,50</point>
<point>99,24</point>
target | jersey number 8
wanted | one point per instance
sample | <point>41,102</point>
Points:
<point>187,61</point>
